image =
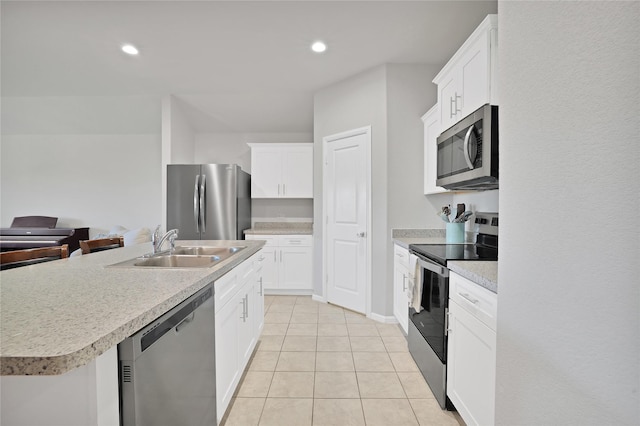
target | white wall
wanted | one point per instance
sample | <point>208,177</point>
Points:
<point>181,133</point>
<point>353,103</point>
<point>391,99</point>
<point>178,143</point>
<point>232,148</point>
<point>90,161</point>
<point>410,93</point>
<point>80,115</point>
<point>96,181</point>
<point>569,295</point>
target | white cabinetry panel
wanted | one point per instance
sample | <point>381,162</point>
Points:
<point>431,121</point>
<point>401,279</point>
<point>471,356</point>
<point>288,263</point>
<point>266,166</point>
<point>469,80</point>
<point>282,170</point>
<point>238,324</point>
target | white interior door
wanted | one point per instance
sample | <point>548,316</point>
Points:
<point>346,204</point>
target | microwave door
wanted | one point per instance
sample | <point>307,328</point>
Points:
<point>458,161</point>
<point>444,158</point>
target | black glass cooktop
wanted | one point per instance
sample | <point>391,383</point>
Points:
<point>441,253</point>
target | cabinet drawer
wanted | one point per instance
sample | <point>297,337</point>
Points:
<point>271,240</point>
<point>401,255</point>
<point>225,288</point>
<point>258,261</point>
<point>244,270</point>
<point>480,302</point>
<point>294,241</point>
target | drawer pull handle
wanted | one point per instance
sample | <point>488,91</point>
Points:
<point>469,298</point>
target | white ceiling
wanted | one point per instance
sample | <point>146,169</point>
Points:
<point>237,66</point>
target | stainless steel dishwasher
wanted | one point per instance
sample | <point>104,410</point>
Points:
<point>167,369</point>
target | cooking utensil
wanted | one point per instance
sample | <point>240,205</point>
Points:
<point>460,210</point>
<point>465,216</point>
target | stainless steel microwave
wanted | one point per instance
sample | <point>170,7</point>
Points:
<point>468,152</point>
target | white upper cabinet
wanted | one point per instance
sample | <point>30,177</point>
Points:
<point>468,80</point>
<point>282,170</point>
<point>431,121</point>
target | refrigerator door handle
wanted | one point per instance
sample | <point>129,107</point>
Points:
<point>203,208</point>
<point>196,210</point>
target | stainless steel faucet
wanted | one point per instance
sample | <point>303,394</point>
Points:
<point>158,240</point>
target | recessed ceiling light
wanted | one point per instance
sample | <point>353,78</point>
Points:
<point>318,47</point>
<point>130,49</point>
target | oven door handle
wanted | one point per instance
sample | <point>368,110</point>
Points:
<point>433,267</point>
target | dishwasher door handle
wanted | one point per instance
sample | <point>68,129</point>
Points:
<point>182,324</point>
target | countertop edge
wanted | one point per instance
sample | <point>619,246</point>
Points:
<point>278,232</point>
<point>482,273</point>
<point>60,364</point>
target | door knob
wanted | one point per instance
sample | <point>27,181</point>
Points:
<point>360,234</point>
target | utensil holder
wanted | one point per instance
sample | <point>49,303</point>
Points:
<point>455,233</point>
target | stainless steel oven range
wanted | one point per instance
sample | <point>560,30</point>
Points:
<point>427,334</point>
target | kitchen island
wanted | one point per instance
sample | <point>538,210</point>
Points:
<point>61,321</point>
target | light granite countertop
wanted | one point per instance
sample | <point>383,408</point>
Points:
<point>280,228</point>
<point>60,315</point>
<point>482,272</point>
<point>405,237</point>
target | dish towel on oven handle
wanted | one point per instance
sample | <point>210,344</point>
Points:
<point>415,288</point>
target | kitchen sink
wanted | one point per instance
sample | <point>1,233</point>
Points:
<point>183,257</point>
<point>221,252</point>
<point>178,261</point>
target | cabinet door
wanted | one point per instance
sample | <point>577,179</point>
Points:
<point>269,263</point>
<point>400,302</point>
<point>266,172</point>
<point>401,286</point>
<point>258,304</point>
<point>449,100</point>
<point>474,77</point>
<point>294,271</point>
<point>471,366</point>
<point>297,172</point>
<point>270,268</point>
<point>245,302</point>
<point>431,121</point>
<point>227,355</point>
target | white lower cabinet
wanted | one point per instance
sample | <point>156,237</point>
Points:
<point>288,263</point>
<point>238,324</point>
<point>258,290</point>
<point>227,355</point>
<point>401,286</point>
<point>471,356</point>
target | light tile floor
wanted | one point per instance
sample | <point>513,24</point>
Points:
<point>319,364</point>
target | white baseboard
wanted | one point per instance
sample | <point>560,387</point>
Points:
<point>382,318</point>
<point>317,298</point>
<point>281,292</point>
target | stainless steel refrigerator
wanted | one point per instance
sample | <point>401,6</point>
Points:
<point>208,201</point>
